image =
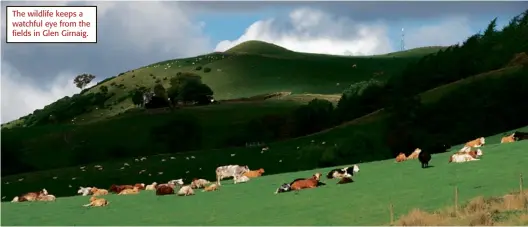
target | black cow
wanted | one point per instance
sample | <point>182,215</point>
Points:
<point>518,136</point>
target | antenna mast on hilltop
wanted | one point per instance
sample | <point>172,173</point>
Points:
<point>402,40</point>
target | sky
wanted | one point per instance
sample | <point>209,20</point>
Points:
<point>134,34</point>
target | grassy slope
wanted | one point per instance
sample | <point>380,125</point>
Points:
<point>131,131</point>
<point>301,151</point>
<point>255,68</point>
<point>364,202</point>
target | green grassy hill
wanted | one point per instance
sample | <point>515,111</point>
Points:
<point>376,186</point>
<point>249,69</point>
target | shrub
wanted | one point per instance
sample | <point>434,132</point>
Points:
<point>206,70</point>
<point>198,68</point>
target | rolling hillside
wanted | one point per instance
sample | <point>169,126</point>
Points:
<point>249,69</point>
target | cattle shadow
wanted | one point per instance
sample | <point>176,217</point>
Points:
<point>429,166</point>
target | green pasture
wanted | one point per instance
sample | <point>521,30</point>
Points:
<point>364,202</point>
<point>131,131</point>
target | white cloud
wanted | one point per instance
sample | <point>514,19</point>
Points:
<point>130,34</point>
<point>443,33</point>
<point>21,95</point>
<point>314,31</point>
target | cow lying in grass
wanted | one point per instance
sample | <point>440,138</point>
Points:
<point>288,187</point>
<point>401,157</point>
<point>343,172</point>
<point>463,156</point>
<point>479,142</point>
<point>165,189</point>
<point>46,198</point>
<point>508,139</point>
<point>30,196</point>
<point>185,191</point>
<point>415,154</point>
<point>241,179</point>
<point>210,188</point>
<point>98,191</point>
<point>199,183</point>
<point>152,186</point>
<point>254,173</point>
<point>129,191</point>
<point>118,188</point>
<point>311,182</point>
<point>97,202</point>
<point>84,191</point>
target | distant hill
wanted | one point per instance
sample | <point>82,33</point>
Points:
<point>249,69</point>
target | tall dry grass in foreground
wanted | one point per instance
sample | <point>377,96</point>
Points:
<point>508,210</point>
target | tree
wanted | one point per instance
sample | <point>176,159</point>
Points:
<point>103,89</point>
<point>159,91</point>
<point>195,91</point>
<point>137,97</point>
<point>82,80</point>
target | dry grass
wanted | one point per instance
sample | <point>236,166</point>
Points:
<point>508,210</point>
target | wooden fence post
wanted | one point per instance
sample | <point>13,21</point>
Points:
<point>456,200</point>
<point>391,211</point>
<point>520,184</point>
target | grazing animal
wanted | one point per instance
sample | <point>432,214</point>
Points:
<point>415,154</point>
<point>152,186</point>
<point>401,157</point>
<point>140,186</point>
<point>345,180</point>
<point>424,158</point>
<point>460,157</point>
<point>97,202</point>
<point>254,173</point>
<point>520,136</point>
<point>508,139</point>
<point>30,196</point>
<point>165,189</point>
<point>306,183</point>
<point>210,188</point>
<point>98,192</point>
<point>118,188</point>
<point>199,183</point>
<point>479,142</point>
<point>46,198</point>
<point>178,182</point>
<point>234,171</point>
<point>129,191</point>
<point>185,191</point>
<point>241,179</point>
<point>84,191</point>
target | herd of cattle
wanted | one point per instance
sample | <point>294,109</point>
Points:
<point>242,174</point>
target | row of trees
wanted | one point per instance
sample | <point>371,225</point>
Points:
<point>184,87</point>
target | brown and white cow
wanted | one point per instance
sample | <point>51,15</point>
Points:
<point>210,188</point>
<point>234,171</point>
<point>479,142</point>
<point>46,198</point>
<point>311,182</point>
<point>415,154</point>
<point>401,157</point>
<point>165,189</point>
<point>462,156</point>
<point>118,188</point>
<point>30,196</point>
<point>508,139</point>
<point>151,187</point>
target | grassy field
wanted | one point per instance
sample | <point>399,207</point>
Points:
<point>132,131</point>
<point>364,202</point>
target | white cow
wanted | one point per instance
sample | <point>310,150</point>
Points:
<point>234,171</point>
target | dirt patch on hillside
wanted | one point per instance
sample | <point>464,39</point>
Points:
<point>508,210</point>
<point>519,59</point>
